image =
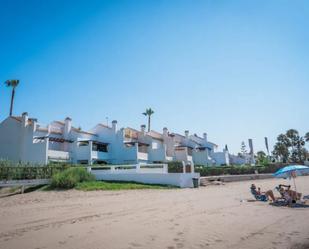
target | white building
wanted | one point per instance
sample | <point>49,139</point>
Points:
<point>24,139</point>
<point>128,145</point>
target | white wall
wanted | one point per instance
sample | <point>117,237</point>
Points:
<point>10,137</point>
<point>30,151</point>
<point>237,160</point>
<point>221,158</point>
<point>157,155</point>
<point>82,152</point>
<point>202,158</point>
<point>118,152</point>
<point>16,143</point>
<point>175,179</point>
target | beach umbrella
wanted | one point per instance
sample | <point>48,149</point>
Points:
<point>291,171</point>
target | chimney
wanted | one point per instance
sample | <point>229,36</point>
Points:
<point>143,128</point>
<point>226,148</point>
<point>205,136</point>
<point>67,125</point>
<point>186,133</point>
<point>25,119</point>
<point>114,125</point>
<point>34,122</point>
<point>165,131</point>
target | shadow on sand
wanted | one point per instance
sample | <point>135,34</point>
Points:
<point>293,205</point>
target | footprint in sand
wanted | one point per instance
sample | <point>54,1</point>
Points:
<point>180,245</point>
<point>135,244</point>
<point>204,245</point>
<point>153,238</point>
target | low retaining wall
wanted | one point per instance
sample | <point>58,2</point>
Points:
<point>176,179</point>
<point>12,183</point>
<point>236,178</point>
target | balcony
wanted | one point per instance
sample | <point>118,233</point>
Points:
<point>142,156</point>
<point>58,155</point>
<point>99,155</point>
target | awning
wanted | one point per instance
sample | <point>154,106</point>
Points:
<point>184,146</point>
<point>203,148</point>
<point>55,139</point>
<point>139,143</point>
<point>93,141</point>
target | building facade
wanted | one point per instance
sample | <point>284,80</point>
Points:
<point>23,139</point>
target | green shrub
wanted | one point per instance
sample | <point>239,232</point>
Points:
<point>175,167</point>
<point>70,177</point>
<point>10,170</point>
<point>237,170</point>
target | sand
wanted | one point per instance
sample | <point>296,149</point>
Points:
<point>208,217</point>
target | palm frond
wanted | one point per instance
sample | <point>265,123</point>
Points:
<point>11,83</point>
<point>148,112</point>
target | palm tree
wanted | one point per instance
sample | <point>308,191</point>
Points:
<point>148,113</point>
<point>13,84</point>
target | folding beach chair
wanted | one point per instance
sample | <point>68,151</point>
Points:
<point>258,197</point>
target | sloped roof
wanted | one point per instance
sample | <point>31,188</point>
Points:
<point>84,132</point>
<point>155,135</point>
<point>76,129</point>
<point>18,118</point>
<point>105,126</point>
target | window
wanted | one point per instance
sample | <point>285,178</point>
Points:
<point>155,145</point>
<point>83,143</point>
<point>99,147</point>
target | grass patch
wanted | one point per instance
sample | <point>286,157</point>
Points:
<point>70,177</point>
<point>103,185</point>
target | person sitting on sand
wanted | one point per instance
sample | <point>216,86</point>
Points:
<point>289,195</point>
<point>262,196</point>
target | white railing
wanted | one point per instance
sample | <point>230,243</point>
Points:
<point>133,168</point>
<point>99,155</point>
<point>143,156</point>
<point>55,129</point>
<point>57,154</point>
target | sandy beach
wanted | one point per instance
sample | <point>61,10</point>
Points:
<point>208,217</point>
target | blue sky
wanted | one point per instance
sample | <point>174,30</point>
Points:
<point>235,69</point>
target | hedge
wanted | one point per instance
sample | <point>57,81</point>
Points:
<point>236,170</point>
<point>21,171</point>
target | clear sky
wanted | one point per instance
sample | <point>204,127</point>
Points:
<point>233,69</point>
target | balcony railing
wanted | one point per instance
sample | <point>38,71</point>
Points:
<point>99,155</point>
<point>142,156</point>
<point>59,155</point>
<point>133,168</point>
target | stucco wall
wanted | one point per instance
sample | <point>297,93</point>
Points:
<point>10,136</point>
<point>201,158</point>
<point>176,179</point>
